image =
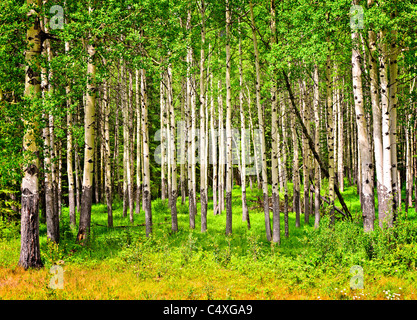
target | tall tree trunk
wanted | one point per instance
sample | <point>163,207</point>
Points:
<point>172,155</point>
<point>138,143</point>
<point>296,173</point>
<point>129,165</point>
<point>330,137</point>
<point>306,181</point>
<point>70,163</point>
<point>283,156</point>
<point>146,165</point>
<point>367,189</point>
<point>376,115</point>
<point>276,237</point>
<point>202,140</point>
<point>51,201</point>
<point>261,129</point>
<point>107,165</point>
<point>317,168</point>
<point>392,102</point>
<point>229,164</point>
<point>245,211</point>
<point>162,94</point>
<point>214,139</point>
<point>89,125</point>
<point>30,256</point>
<point>221,147</point>
<point>386,214</point>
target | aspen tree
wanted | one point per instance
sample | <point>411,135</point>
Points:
<point>367,190</point>
<point>386,214</point>
<point>276,237</point>
<point>376,113</point>
<point>261,128</point>
<point>229,164</point>
<point>138,142</point>
<point>89,129</point>
<point>203,138</point>
<point>172,153</point>
<point>245,211</point>
<point>30,256</point>
<point>316,103</point>
<point>70,150</point>
<point>145,145</point>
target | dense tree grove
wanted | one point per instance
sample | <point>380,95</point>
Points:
<point>102,101</point>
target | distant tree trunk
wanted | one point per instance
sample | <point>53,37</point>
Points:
<point>340,142</point>
<point>129,165</point>
<point>146,164</point>
<point>245,211</point>
<point>229,164</point>
<point>172,155</point>
<point>306,169</point>
<point>191,132</point>
<point>89,124</point>
<point>214,137</point>
<point>330,137</point>
<point>51,199</point>
<point>107,175</point>
<point>138,143</point>
<point>183,138</point>
<point>316,103</point>
<point>296,173</point>
<point>70,163</point>
<point>162,95</point>
<point>221,149</point>
<point>202,140</point>
<point>261,128</point>
<point>276,237</point>
<point>283,156</point>
<point>255,153</point>
<point>30,256</point>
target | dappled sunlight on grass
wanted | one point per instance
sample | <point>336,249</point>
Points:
<point>121,263</point>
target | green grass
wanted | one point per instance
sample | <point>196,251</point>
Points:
<point>310,264</point>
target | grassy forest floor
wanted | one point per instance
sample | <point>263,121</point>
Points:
<point>121,263</point>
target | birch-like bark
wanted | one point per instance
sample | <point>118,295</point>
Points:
<point>89,129</point>
<point>30,256</point>
<point>70,150</point>
<point>306,181</point>
<point>172,154</point>
<point>221,148</point>
<point>261,128</point>
<point>330,137</point>
<point>283,156</point>
<point>145,145</point>
<point>385,216</point>
<point>162,97</point>
<point>392,102</point>
<point>138,142</point>
<point>229,164</point>
<point>245,211</point>
<point>203,138</point>
<point>295,173</point>
<point>365,151</point>
<point>316,103</point>
<point>376,113</point>
<point>107,164</point>
<point>276,237</point>
<point>191,132</point>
